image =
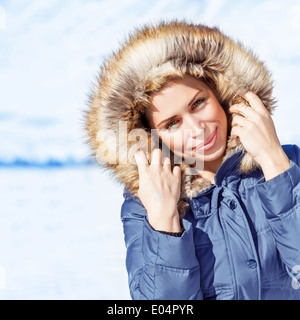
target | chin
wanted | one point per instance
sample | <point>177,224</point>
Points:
<point>216,153</point>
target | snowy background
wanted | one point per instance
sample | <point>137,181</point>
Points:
<point>60,231</point>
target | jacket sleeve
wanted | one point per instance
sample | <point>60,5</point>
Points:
<point>159,266</point>
<point>280,200</point>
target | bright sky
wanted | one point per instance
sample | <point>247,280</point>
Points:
<point>50,52</point>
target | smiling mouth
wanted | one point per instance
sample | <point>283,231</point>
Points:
<point>208,143</point>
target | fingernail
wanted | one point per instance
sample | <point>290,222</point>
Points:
<point>166,160</point>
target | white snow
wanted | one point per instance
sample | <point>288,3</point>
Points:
<point>61,235</point>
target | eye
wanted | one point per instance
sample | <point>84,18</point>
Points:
<point>171,124</point>
<point>197,103</point>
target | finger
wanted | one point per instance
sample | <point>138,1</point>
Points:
<point>254,101</point>
<point>177,171</point>
<point>167,166</point>
<point>244,110</point>
<point>236,131</point>
<point>238,120</point>
<point>141,159</point>
<point>166,162</point>
<point>156,158</point>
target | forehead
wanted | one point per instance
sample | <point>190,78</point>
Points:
<point>176,92</point>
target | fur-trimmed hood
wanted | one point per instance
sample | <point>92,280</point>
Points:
<point>151,56</point>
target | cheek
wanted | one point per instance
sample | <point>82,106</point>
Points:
<point>223,121</point>
<point>218,114</point>
<point>174,142</point>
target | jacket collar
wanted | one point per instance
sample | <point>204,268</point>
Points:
<point>227,173</point>
<point>206,202</point>
<point>229,169</point>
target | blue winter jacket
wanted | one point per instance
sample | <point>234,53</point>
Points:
<point>241,240</point>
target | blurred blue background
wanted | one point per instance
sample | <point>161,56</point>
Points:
<point>60,231</point>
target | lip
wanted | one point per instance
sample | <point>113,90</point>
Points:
<point>208,143</point>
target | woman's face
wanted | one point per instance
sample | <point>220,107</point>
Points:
<point>189,120</point>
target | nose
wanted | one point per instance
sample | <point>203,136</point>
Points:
<point>196,126</point>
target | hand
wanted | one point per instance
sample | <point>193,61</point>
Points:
<point>159,190</point>
<point>254,127</point>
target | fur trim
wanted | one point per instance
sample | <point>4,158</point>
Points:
<point>151,56</point>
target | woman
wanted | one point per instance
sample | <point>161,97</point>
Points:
<point>216,217</point>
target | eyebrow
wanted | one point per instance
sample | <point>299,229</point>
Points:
<point>188,105</point>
